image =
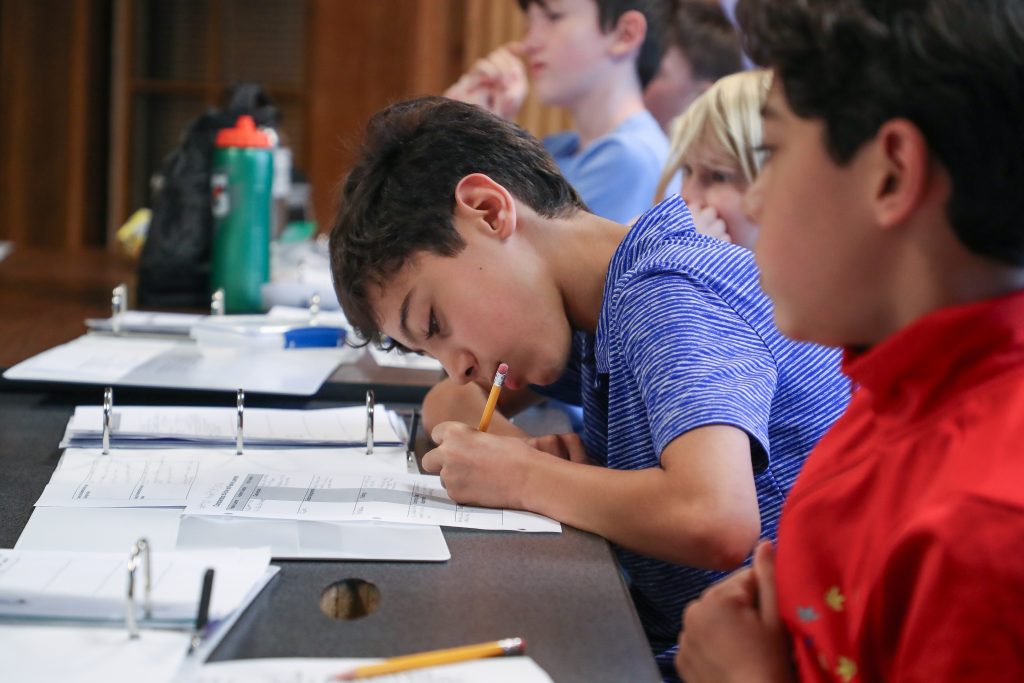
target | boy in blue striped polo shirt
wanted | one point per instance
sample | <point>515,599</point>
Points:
<point>458,237</point>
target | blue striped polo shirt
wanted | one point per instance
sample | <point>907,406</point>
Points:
<point>685,339</point>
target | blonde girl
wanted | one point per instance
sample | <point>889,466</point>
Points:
<point>715,145</point>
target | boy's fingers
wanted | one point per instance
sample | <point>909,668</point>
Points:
<point>432,461</point>
<point>764,571</point>
<point>446,430</point>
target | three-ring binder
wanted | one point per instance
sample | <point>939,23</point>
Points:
<point>369,421</point>
<point>108,409</point>
<point>314,310</point>
<point>238,427</point>
<point>217,302</point>
<point>140,547</point>
<point>118,306</point>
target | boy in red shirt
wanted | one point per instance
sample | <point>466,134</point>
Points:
<point>892,223</point>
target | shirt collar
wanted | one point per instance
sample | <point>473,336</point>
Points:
<point>940,354</point>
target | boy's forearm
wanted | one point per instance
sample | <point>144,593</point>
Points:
<point>641,510</point>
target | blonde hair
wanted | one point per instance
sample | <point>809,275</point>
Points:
<point>729,114</point>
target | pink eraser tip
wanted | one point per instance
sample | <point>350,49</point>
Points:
<point>503,369</point>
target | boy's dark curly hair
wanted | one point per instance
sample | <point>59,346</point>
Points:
<point>398,199</point>
<point>954,68</point>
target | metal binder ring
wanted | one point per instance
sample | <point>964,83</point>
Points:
<point>108,408</point>
<point>140,547</point>
<point>369,421</point>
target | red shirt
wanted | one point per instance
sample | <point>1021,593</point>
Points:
<point>901,547</point>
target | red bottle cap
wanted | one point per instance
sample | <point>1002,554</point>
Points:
<point>244,134</point>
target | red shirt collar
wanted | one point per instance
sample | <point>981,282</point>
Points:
<point>940,354</point>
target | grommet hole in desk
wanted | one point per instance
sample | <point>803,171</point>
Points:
<point>350,599</point>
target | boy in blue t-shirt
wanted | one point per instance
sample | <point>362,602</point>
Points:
<point>594,58</point>
<point>459,238</point>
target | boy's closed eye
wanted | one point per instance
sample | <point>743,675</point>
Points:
<point>432,325</point>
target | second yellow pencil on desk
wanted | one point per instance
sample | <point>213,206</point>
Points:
<point>464,653</point>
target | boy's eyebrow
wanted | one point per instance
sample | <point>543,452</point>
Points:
<point>404,315</point>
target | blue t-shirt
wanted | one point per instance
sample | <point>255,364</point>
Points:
<point>616,175</point>
<point>686,339</point>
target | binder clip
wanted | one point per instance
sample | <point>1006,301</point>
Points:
<point>118,305</point>
<point>238,427</point>
<point>108,409</point>
<point>140,547</point>
<point>314,310</point>
<point>369,421</point>
<point>217,302</point>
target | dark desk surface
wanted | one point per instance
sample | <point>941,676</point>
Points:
<point>45,296</point>
<point>562,593</point>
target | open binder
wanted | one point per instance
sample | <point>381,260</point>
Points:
<point>113,426</point>
<point>139,589</point>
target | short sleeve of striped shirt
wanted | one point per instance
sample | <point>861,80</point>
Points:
<point>696,361</point>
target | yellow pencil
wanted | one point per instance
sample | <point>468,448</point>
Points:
<point>507,646</point>
<point>492,399</point>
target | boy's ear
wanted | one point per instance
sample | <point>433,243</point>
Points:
<point>904,179</point>
<point>486,204</point>
<point>629,33</point>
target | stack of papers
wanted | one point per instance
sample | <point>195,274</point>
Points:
<point>148,322</point>
<point>180,364</point>
<point>167,478</point>
<point>168,427</point>
<point>317,670</point>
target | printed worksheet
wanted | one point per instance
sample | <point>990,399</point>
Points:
<point>336,496</point>
<point>86,477</point>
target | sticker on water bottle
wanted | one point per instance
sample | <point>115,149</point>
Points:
<point>220,202</point>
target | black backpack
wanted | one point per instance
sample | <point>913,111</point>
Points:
<point>174,267</point>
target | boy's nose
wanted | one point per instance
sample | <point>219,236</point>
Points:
<point>692,194</point>
<point>461,367</point>
<point>751,203</point>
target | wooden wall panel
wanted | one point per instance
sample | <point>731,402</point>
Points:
<point>363,56</point>
<point>51,156</point>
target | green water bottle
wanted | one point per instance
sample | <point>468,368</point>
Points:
<point>240,182</point>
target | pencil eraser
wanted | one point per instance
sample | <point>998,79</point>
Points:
<point>503,369</point>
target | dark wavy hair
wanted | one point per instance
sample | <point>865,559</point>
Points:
<point>608,12</point>
<point>954,68</point>
<point>703,33</point>
<point>398,199</point>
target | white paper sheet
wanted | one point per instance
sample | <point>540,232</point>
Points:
<point>90,655</point>
<point>105,359</point>
<point>115,529</point>
<point>412,361</point>
<point>178,426</point>
<point>164,478</point>
<point>91,586</point>
<point>334,496</point>
<point>318,670</point>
